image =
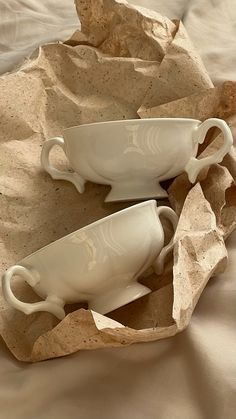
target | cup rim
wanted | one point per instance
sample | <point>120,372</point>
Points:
<point>130,121</point>
<point>151,202</point>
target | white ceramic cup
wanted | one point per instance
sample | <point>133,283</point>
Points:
<point>133,156</point>
<point>99,263</point>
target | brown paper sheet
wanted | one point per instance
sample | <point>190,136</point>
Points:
<point>124,61</point>
<point>122,30</point>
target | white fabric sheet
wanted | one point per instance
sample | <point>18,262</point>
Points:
<point>26,24</point>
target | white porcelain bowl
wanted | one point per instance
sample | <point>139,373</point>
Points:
<point>99,263</point>
<point>133,156</point>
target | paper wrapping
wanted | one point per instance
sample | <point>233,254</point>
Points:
<point>126,62</point>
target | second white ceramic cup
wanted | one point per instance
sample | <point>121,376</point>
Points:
<point>99,264</point>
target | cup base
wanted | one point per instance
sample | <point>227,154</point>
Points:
<point>133,192</point>
<point>118,298</point>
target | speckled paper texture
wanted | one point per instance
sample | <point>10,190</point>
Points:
<point>124,63</point>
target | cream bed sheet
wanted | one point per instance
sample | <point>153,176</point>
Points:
<point>190,376</point>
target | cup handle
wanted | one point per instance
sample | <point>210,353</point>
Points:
<point>72,177</point>
<point>194,166</point>
<point>52,304</point>
<point>160,260</point>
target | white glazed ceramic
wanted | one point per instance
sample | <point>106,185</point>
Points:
<point>99,263</point>
<point>133,156</point>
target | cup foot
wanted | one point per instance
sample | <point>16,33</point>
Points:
<point>118,298</point>
<point>133,192</point>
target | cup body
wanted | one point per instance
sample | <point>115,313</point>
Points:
<point>99,258</point>
<point>132,156</point>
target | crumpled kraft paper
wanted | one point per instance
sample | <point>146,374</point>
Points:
<point>124,60</point>
<point>218,182</point>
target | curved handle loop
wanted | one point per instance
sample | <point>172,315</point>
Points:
<point>194,166</point>
<point>72,177</point>
<point>52,304</point>
<point>160,260</point>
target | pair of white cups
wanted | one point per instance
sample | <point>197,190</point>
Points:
<point>100,263</point>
